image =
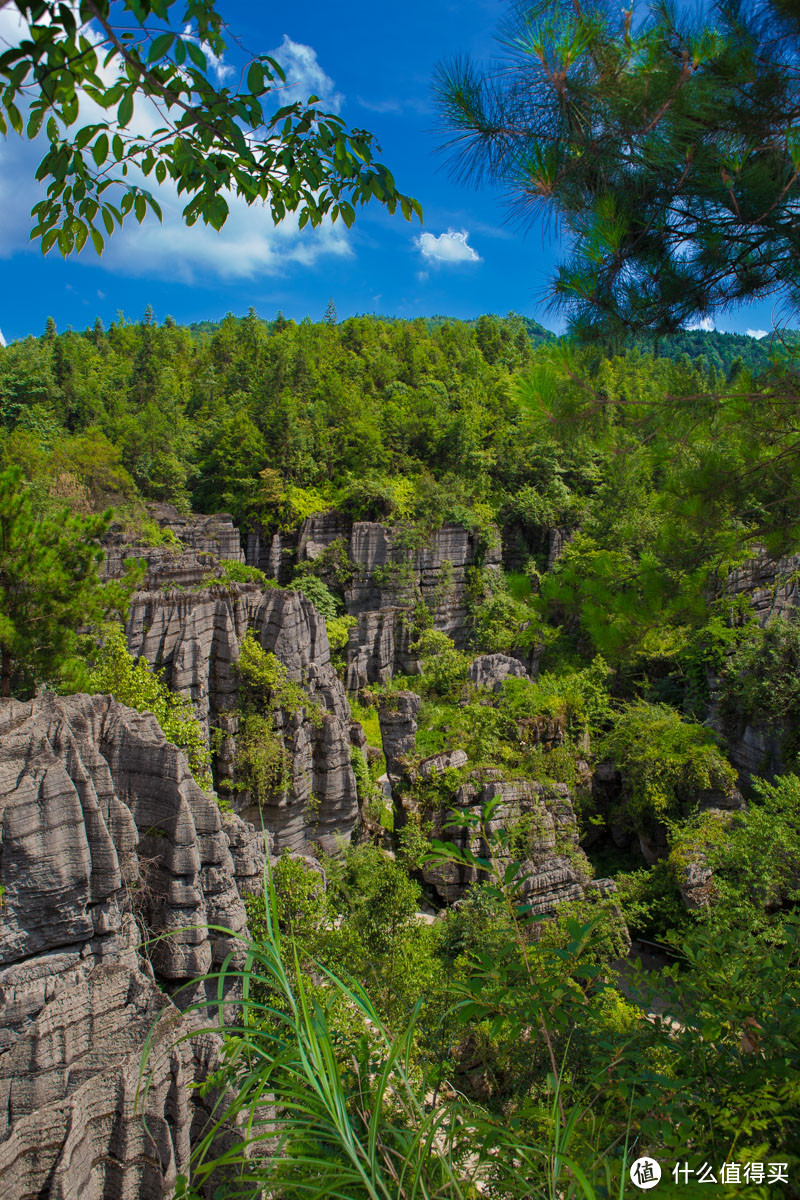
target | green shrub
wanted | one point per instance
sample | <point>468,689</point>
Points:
<point>754,855</point>
<point>444,669</point>
<point>265,682</point>
<point>320,595</point>
<point>666,762</point>
<point>263,764</point>
<point>761,681</point>
<point>239,572</point>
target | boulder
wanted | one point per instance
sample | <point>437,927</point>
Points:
<point>491,670</point>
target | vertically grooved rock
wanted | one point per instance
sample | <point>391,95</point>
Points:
<point>115,865</point>
<point>388,578</point>
<point>198,544</point>
<point>195,637</point>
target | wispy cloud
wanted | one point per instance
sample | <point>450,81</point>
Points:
<point>248,245</point>
<point>756,333</point>
<point>305,76</point>
<point>222,70</point>
<point>451,248</point>
<point>704,323</point>
<point>394,106</point>
<point>2,339</point>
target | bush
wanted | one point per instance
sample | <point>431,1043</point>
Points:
<point>317,591</point>
<point>761,681</point>
<point>444,669</point>
<point>754,856</point>
<point>264,680</point>
<point>666,762</point>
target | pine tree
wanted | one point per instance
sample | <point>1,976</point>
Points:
<point>665,148</point>
<point>331,315</point>
<point>49,589</point>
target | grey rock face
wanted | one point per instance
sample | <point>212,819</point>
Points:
<point>772,585</point>
<point>490,670</point>
<point>195,638</point>
<point>397,715</point>
<point>388,578</point>
<point>115,866</point>
<point>695,882</point>
<point>554,868</point>
<point>203,541</point>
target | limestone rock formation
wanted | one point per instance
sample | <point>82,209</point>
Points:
<point>115,868</point>
<point>771,584</point>
<point>554,867</point>
<point>197,544</point>
<point>387,579</point>
<point>491,670</point>
<point>195,638</point>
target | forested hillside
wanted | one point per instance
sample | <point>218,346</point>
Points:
<point>603,687</point>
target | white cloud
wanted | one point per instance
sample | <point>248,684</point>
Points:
<point>304,76</point>
<point>705,323</point>
<point>756,333</point>
<point>2,339</point>
<point>222,70</point>
<point>248,245</point>
<point>450,247</point>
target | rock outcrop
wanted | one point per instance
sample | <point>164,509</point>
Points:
<point>386,579</point>
<point>194,637</point>
<point>491,670</point>
<point>772,585</point>
<point>555,868</point>
<point>195,546</point>
<point>115,867</point>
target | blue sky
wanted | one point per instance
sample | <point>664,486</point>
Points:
<point>373,63</point>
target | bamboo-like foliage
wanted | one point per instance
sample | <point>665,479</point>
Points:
<point>296,1120</point>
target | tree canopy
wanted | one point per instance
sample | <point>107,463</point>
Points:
<point>50,589</point>
<point>664,144</point>
<point>212,142</point>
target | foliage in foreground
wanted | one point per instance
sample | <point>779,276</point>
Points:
<point>50,589</point>
<point>214,141</point>
<point>698,1064</point>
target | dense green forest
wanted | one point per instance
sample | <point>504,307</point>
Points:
<point>663,468</point>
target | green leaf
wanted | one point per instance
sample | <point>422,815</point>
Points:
<point>117,147</point>
<point>196,54</point>
<point>34,121</point>
<point>160,46</point>
<point>100,149</point>
<point>156,207</point>
<point>48,240</point>
<point>14,117</point>
<point>97,239</point>
<point>125,110</point>
<point>140,208</point>
<point>255,78</point>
